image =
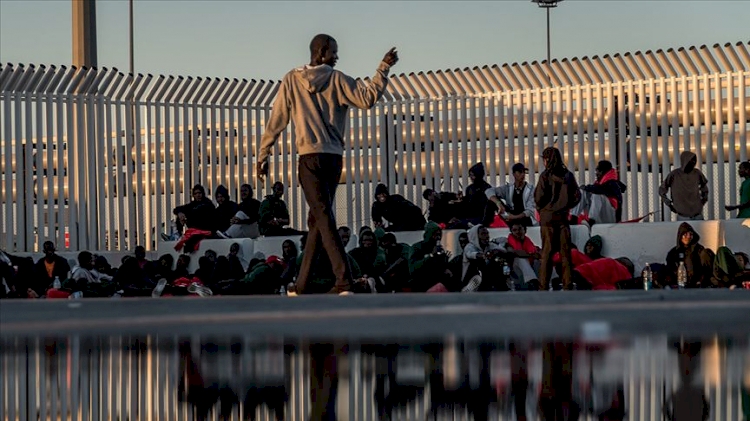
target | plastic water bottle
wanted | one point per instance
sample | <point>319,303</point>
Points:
<point>648,277</point>
<point>506,274</point>
<point>57,284</point>
<point>681,276</point>
<point>282,291</point>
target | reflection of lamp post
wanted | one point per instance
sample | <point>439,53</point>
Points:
<point>547,4</point>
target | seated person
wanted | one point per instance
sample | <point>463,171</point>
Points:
<point>322,279</point>
<point>483,262</point>
<point>88,280</point>
<point>244,223</point>
<point>370,258</point>
<point>444,207</point>
<point>527,256</point>
<point>346,238</point>
<point>397,275</point>
<point>601,202</point>
<point>456,264</point>
<point>226,209</point>
<point>48,268</point>
<point>401,214</point>
<point>17,277</point>
<point>593,247</point>
<point>698,259</point>
<point>289,254</point>
<point>429,261</point>
<point>727,271</point>
<point>199,214</point>
<point>262,279</point>
<point>514,201</point>
<point>274,214</point>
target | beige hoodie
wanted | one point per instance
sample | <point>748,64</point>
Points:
<point>317,99</point>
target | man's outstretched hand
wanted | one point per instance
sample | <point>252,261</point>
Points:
<point>262,169</point>
<point>391,57</point>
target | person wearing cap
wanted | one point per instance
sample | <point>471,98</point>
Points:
<point>515,201</point>
<point>601,202</point>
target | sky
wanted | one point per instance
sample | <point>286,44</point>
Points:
<point>263,40</point>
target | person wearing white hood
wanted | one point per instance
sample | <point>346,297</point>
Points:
<point>316,98</point>
<point>483,260</point>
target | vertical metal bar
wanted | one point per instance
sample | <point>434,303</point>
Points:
<point>350,149</point>
<point>684,90</point>
<point>369,164</point>
<point>39,222</point>
<point>357,148</point>
<point>581,134</point>
<point>446,145</point>
<point>644,169</point>
<point>28,181</point>
<point>418,148</point>
<point>570,112</point>
<point>674,125</point>
<point>720,161</point>
<point>109,168</point>
<point>664,128</point>
<point>524,125</point>
<point>605,111</point>
<point>591,139</point>
<point>629,110</point>
<point>542,103</point>
<point>742,81</point>
<point>7,193</point>
<point>499,137</point>
<point>159,174</point>
<point>458,180</point>
<point>427,141</point>
<point>511,138</point>
<point>656,175</point>
<point>731,136</point>
<point>621,144</point>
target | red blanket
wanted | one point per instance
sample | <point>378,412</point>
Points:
<point>603,273</point>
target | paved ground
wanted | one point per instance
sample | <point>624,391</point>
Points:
<point>413,316</point>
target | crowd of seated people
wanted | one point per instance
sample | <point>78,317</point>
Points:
<point>378,262</point>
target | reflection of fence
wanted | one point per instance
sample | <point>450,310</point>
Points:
<point>106,156</point>
<point>133,379</point>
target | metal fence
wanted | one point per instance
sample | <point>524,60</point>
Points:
<point>146,378</point>
<point>95,159</point>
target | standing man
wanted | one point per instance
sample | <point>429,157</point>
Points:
<point>555,195</point>
<point>688,189</point>
<point>317,99</point>
<point>744,206</point>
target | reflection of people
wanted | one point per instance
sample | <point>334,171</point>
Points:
<point>317,99</point>
<point>556,397</point>
<point>687,403</point>
<point>324,380</point>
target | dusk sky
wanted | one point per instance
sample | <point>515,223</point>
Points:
<point>263,40</point>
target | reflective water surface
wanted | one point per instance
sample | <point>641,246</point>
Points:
<point>260,378</point>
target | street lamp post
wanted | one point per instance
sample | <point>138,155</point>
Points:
<point>547,4</point>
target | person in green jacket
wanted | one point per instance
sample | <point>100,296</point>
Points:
<point>429,261</point>
<point>397,274</point>
<point>274,214</point>
<point>322,279</point>
<point>744,205</point>
<point>263,279</point>
<point>369,257</point>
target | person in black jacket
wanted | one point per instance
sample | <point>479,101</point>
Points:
<point>401,214</point>
<point>48,268</point>
<point>444,207</point>
<point>200,213</point>
<point>475,199</point>
<point>226,210</point>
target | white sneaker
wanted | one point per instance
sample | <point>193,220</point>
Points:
<point>346,293</point>
<point>159,289</point>
<point>200,290</point>
<point>222,235</point>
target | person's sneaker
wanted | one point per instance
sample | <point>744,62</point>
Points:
<point>222,235</point>
<point>159,288</point>
<point>166,237</point>
<point>200,290</point>
<point>346,293</point>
